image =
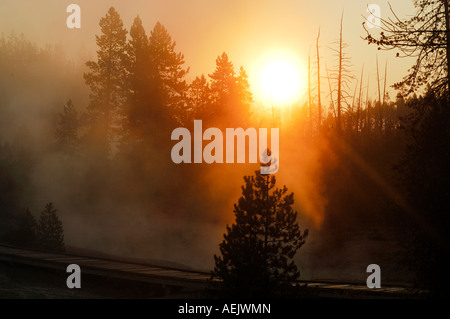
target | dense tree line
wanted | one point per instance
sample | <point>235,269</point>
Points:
<point>139,91</point>
<point>46,233</point>
<point>383,162</point>
<point>423,171</point>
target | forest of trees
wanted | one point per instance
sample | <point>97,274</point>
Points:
<point>382,162</point>
<point>46,233</point>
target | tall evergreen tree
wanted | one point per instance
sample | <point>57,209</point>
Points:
<point>171,74</point>
<point>144,107</point>
<point>257,251</point>
<point>231,97</point>
<point>223,85</point>
<point>139,66</point>
<point>107,80</point>
<point>67,131</point>
<point>245,95</point>
<point>199,99</point>
<point>50,230</point>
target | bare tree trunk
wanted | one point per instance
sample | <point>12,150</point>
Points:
<point>384,95</point>
<point>309,94</point>
<point>319,104</point>
<point>359,100</point>
<point>447,35</point>
<point>380,116</point>
<point>266,221</point>
<point>331,92</point>
<point>352,109</point>
<point>339,92</point>
<point>367,124</point>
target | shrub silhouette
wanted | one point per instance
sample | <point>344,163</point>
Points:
<point>50,230</point>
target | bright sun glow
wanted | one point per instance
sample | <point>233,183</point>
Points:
<point>281,79</point>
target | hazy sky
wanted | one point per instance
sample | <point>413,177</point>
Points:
<point>203,29</point>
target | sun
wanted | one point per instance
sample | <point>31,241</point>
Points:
<point>281,79</point>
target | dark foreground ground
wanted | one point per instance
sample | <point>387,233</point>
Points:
<point>343,270</point>
<point>28,282</point>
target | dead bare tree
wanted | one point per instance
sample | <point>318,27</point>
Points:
<point>342,76</point>
<point>425,36</point>
<point>367,115</point>
<point>352,111</point>
<point>319,103</point>
<point>331,92</point>
<point>359,100</point>
<point>380,115</point>
<point>309,94</point>
<point>384,93</point>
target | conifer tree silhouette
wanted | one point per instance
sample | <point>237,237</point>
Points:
<point>258,249</point>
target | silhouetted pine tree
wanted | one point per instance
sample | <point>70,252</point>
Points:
<point>257,251</point>
<point>199,99</point>
<point>230,93</point>
<point>144,106</point>
<point>244,93</point>
<point>50,230</point>
<point>108,81</point>
<point>67,131</point>
<point>223,86</point>
<point>171,74</point>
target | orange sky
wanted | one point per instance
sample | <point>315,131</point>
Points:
<point>203,29</point>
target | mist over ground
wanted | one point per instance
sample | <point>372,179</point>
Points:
<point>125,196</point>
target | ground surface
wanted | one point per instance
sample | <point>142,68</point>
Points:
<point>24,282</point>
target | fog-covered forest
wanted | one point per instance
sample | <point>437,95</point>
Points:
<point>369,174</point>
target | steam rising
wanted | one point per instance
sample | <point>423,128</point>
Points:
<point>177,214</point>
